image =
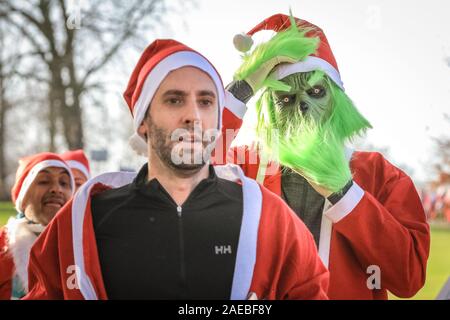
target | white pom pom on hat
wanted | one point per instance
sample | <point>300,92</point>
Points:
<point>242,42</point>
<point>138,145</point>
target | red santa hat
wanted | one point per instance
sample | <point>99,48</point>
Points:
<point>323,59</point>
<point>29,167</point>
<point>76,159</point>
<point>159,58</point>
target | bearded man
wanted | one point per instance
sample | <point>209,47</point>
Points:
<point>178,229</point>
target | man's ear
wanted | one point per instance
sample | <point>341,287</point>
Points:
<point>142,130</point>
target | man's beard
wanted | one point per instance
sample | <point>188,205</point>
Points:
<point>192,157</point>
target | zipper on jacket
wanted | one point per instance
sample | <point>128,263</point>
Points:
<point>181,243</point>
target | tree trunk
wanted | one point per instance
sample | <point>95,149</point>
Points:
<point>52,116</point>
<point>72,122</point>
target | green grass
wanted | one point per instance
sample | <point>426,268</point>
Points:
<point>438,264</point>
<point>6,210</point>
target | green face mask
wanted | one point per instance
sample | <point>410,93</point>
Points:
<point>308,99</point>
<point>305,128</point>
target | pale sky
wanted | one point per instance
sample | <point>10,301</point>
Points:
<point>391,56</point>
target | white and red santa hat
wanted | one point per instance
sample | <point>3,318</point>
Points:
<point>159,58</point>
<point>322,60</point>
<point>29,167</point>
<point>76,159</point>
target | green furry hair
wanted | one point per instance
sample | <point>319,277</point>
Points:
<point>312,148</point>
<point>291,43</point>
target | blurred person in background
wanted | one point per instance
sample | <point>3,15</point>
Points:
<point>79,164</point>
<point>43,185</point>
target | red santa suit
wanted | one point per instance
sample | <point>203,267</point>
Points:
<point>378,225</point>
<point>19,235</point>
<point>6,267</point>
<point>276,256</point>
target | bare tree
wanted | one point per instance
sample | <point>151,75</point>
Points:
<point>53,66</point>
<point>20,104</point>
<point>68,49</point>
<point>4,106</point>
<point>8,61</point>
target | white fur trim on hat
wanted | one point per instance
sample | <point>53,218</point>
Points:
<point>161,70</point>
<point>309,64</point>
<point>73,164</point>
<point>32,175</point>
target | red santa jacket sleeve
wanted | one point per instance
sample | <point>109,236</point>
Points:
<point>44,279</point>
<point>287,265</point>
<point>387,227</point>
<point>51,273</point>
<point>6,267</point>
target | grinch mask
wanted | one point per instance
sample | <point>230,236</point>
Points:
<point>304,119</point>
<point>308,98</point>
<point>306,128</point>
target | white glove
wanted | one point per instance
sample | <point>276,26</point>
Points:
<point>256,79</point>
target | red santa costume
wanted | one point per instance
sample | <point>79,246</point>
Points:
<point>18,236</point>
<point>379,222</point>
<point>276,256</point>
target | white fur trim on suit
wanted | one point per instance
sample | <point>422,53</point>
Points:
<point>346,205</point>
<point>78,165</point>
<point>114,180</point>
<point>21,237</point>
<point>235,105</point>
<point>248,237</point>
<point>326,226</point>
<point>32,175</point>
<point>309,64</point>
<point>161,70</point>
<point>247,246</point>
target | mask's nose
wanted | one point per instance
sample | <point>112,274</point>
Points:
<point>303,106</point>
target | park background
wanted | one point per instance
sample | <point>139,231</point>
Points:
<point>65,63</point>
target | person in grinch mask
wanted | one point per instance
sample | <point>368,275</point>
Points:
<point>365,214</point>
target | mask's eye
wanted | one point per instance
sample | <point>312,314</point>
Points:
<point>286,100</point>
<point>316,92</point>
